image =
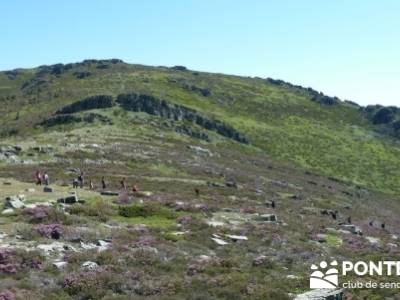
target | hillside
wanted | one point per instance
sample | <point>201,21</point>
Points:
<point>243,183</point>
<point>323,134</point>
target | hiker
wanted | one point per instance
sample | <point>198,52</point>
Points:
<point>371,223</point>
<point>38,178</point>
<point>91,184</point>
<point>46,179</point>
<point>81,180</point>
<point>75,183</point>
<point>197,191</point>
<point>103,183</point>
<point>273,204</point>
<point>349,220</point>
<point>123,183</point>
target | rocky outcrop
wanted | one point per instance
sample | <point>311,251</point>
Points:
<point>157,107</point>
<point>94,102</point>
<point>383,116</point>
<point>316,96</point>
<point>69,119</point>
<point>187,130</point>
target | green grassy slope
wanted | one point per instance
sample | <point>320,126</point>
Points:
<point>338,140</point>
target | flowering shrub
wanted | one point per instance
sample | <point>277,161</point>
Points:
<point>92,284</point>
<point>11,261</point>
<point>37,214</point>
<point>7,295</point>
<point>53,231</point>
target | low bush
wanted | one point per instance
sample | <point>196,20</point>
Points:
<point>145,211</point>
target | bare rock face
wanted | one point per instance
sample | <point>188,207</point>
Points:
<point>94,102</point>
<point>154,106</point>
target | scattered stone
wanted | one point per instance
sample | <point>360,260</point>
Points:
<point>215,223</point>
<point>259,192</point>
<point>269,203</point>
<point>43,149</point>
<point>373,240</point>
<point>215,184</point>
<point>321,238</point>
<point>353,229</point>
<point>8,211</point>
<point>204,259</point>
<point>30,190</point>
<point>54,247</point>
<point>260,260</point>
<point>47,189</point>
<point>88,246</point>
<point>69,199</point>
<point>322,294</point>
<point>200,150</point>
<point>310,211</point>
<point>103,245</point>
<point>145,249</point>
<point>143,194</point>
<point>292,277</point>
<point>60,264</point>
<point>231,184</point>
<point>267,218</point>
<point>90,266</point>
<point>216,238</point>
<point>237,237</point>
<point>109,193</point>
<point>14,202</point>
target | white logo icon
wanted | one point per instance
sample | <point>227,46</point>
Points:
<point>321,279</point>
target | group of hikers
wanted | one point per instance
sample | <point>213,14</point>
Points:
<point>42,178</point>
<point>80,182</point>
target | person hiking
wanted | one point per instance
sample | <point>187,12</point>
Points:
<point>81,179</point>
<point>123,183</point>
<point>46,178</point>
<point>38,178</point>
<point>103,183</point>
<point>75,183</point>
<point>91,186</point>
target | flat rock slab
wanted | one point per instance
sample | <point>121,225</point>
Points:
<point>69,200</point>
<point>109,193</point>
<point>47,189</point>
<point>322,294</point>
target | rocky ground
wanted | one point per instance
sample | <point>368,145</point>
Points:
<point>243,184</point>
<point>207,222</point>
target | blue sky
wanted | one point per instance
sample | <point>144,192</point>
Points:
<point>350,49</point>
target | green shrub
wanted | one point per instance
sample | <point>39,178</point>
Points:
<point>100,209</point>
<point>145,211</point>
